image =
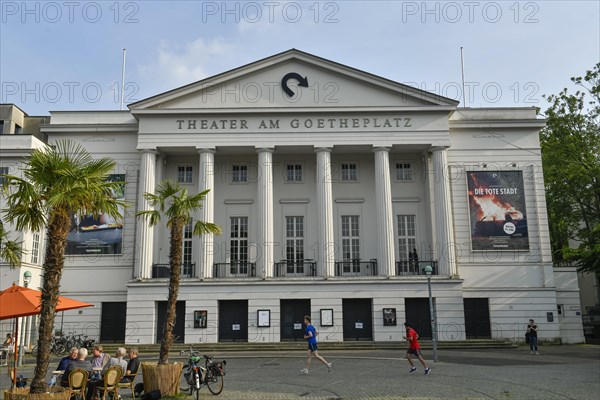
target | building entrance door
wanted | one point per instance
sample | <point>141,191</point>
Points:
<point>233,320</point>
<point>292,318</point>
<point>477,319</point>
<point>112,322</point>
<point>418,316</point>
<point>178,329</point>
<point>357,319</point>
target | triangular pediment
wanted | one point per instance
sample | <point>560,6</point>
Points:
<point>276,83</point>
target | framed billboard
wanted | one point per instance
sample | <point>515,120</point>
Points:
<point>498,219</point>
<point>97,234</point>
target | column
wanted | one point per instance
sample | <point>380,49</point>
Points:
<point>444,233</point>
<point>326,243</point>
<point>385,222</point>
<point>160,252</point>
<point>145,233</point>
<point>206,181</point>
<point>265,213</point>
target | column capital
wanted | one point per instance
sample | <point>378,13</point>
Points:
<point>265,150</point>
<point>382,148</point>
<point>433,149</point>
<point>202,150</point>
<point>323,149</point>
<point>149,151</point>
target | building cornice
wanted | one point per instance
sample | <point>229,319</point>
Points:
<point>92,128</point>
<point>299,110</point>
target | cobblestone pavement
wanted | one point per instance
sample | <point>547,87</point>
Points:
<point>560,372</point>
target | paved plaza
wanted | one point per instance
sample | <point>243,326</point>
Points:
<point>559,372</point>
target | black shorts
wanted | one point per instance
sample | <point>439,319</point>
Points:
<point>312,347</point>
<point>416,352</point>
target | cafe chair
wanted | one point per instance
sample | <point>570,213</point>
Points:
<point>112,376</point>
<point>130,384</point>
<point>78,379</point>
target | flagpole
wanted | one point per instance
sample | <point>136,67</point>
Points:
<point>123,80</point>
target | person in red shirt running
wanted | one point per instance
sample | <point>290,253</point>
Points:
<point>414,349</point>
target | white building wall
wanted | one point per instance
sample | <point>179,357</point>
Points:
<point>569,304</point>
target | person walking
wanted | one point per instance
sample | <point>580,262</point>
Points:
<point>310,334</point>
<point>532,331</point>
<point>414,349</point>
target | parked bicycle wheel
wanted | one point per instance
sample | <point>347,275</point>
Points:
<point>215,383</point>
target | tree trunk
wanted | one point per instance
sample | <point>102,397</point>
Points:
<point>58,229</point>
<point>175,257</point>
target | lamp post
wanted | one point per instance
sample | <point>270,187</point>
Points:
<point>428,270</point>
<point>26,279</point>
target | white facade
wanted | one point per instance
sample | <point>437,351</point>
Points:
<point>342,177</point>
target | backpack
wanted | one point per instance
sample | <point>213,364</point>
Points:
<point>139,389</point>
<point>153,395</point>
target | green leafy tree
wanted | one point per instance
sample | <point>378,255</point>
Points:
<point>571,159</point>
<point>172,201</point>
<point>57,182</point>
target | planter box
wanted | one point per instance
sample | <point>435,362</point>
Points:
<point>55,393</point>
<point>166,378</point>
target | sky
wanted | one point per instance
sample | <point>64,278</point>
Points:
<point>68,55</point>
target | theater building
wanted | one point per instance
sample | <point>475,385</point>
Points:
<point>334,188</point>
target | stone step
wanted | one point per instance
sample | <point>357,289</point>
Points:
<point>301,346</point>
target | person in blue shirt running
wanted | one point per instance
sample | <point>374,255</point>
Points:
<point>310,334</point>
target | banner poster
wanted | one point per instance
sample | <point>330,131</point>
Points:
<point>497,210</point>
<point>97,234</point>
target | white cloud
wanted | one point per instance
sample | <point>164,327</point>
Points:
<point>176,64</point>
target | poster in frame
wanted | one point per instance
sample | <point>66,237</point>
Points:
<point>264,318</point>
<point>497,212</point>
<point>200,318</point>
<point>327,317</point>
<point>98,234</point>
<point>389,317</point>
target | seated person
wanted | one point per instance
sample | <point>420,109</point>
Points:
<point>132,365</point>
<point>100,360</point>
<point>8,346</point>
<point>65,361</point>
<point>9,342</point>
<point>81,362</point>
<point>118,360</point>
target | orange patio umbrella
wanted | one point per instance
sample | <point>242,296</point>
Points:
<point>18,301</point>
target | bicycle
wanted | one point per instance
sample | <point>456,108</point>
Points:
<point>210,375</point>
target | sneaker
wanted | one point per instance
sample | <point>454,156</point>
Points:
<point>328,367</point>
<point>427,371</point>
<point>537,353</point>
<point>304,371</point>
<point>531,352</point>
<point>413,369</point>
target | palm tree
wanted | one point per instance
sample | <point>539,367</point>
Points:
<point>10,250</point>
<point>57,182</point>
<point>173,201</point>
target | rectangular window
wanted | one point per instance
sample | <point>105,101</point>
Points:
<point>407,237</point>
<point>238,242</point>
<point>294,244</point>
<point>404,172</point>
<point>350,243</point>
<point>239,174</point>
<point>3,170</point>
<point>184,174</point>
<point>294,172</point>
<point>349,172</point>
<point>35,248</point>
<point>187,250</point>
